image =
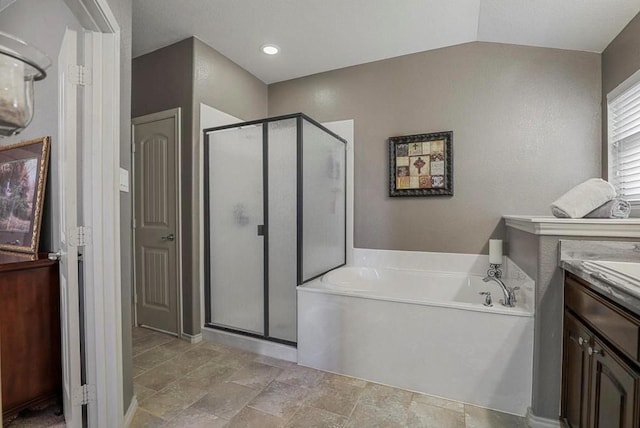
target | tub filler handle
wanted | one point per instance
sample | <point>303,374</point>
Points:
<point>514,289</point>
<point>488,301</point>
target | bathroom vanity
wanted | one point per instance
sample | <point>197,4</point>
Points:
<point>601,340</point>
<point>533,244</point>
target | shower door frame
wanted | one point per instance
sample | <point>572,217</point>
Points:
<point>300,117</point>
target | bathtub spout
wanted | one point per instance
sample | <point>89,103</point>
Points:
<point>509,293</point>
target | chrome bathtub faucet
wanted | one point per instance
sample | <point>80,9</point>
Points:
<point>487,298</point>
<point>495,274</point>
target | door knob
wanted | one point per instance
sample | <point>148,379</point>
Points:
<point>170,237</point>
<point>55,256</point>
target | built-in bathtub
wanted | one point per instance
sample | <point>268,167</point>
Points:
<point>417,321</point>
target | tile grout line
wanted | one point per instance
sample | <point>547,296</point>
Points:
<point>356,404</point>
<point>243,359</point>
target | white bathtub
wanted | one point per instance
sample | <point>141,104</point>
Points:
<point>388,321</point>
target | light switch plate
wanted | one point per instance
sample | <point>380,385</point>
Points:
<point>124,180</point>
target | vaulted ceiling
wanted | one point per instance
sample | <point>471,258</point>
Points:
<point>321,35</point>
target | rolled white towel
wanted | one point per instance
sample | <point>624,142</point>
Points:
<point>615,208</point>
<point>583,198</point>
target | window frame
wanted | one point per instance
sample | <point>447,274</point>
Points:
<point>612,96</point>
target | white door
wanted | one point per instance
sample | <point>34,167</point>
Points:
<point>157,228</point>
<point>66,194</point>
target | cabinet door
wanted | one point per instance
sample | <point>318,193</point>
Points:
<point>575,372</point>
<point>614,390</point>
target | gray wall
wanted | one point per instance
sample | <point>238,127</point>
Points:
<point>526,125</point>
<point>222,84</point>
<point>184,75</point>
<point>42,24</point>
<point>619,61</point>
<point>162,80</point>
<point>122,11</point>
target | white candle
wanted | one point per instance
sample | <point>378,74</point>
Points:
<point>495,251</point>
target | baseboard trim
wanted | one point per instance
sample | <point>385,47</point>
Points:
<point>193,338</point>
<point>538,422</point>
<point>251,344</point>
<point>159,330</point>
<point>131,412</point>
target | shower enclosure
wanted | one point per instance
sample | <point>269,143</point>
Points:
<point>275,218</point>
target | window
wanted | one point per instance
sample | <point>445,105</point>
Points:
<point>624,139</point>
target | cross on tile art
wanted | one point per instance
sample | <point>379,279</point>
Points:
<point>423,168</point>
<point>421,164</point>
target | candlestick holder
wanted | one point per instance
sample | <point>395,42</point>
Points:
<point>495,270</point>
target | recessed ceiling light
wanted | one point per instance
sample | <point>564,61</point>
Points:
<point>270,49</point>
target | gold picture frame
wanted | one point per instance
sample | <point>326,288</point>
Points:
<point>23,174</point>
<point>421,165</point>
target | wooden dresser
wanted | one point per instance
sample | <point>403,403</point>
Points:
<point>29,331</point>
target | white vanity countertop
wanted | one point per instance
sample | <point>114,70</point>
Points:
<point>597,227</point>
<point>612,268</point>
<point>624,292</point>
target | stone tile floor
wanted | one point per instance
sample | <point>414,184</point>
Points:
<point>209,385</point>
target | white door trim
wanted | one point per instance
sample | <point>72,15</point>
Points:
<point>100,197</point>
<point>175,113</point>
<point>101,203</point>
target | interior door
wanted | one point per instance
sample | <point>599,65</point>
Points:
<point>235,227</point>
<point>66,195</point>
<point>156,162</point>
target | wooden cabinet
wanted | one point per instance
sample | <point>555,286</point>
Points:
<point>575,362</point>
<point>29,331</point>
<point>600,365</point>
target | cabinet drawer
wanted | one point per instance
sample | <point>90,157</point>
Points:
<point>615,325</point>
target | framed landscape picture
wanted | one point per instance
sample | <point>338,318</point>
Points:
<point>23,173</point>
<point>421,165</point>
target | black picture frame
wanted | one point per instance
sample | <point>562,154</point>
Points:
<point>421,164</point>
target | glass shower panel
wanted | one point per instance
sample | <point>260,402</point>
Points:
<point>235,212</point>
<point>323,201</point>
<point>282,235</point>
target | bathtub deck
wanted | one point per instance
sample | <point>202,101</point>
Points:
<point>179,384</point>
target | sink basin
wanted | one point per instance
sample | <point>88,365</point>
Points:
<point>623,268</point>
<point>627,272</point>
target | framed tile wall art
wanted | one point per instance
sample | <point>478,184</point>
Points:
<point>421,165</point>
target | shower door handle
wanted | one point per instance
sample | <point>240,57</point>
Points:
<point>261,230</point>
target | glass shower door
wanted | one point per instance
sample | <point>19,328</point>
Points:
<point>323,202</point>
<point>236,218</point>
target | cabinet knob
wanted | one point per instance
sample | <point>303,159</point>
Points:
<point>594,351</point>
<point>582,341</point>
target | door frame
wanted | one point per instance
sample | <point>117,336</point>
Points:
<point>175,113</point>
<point>100,198</point>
